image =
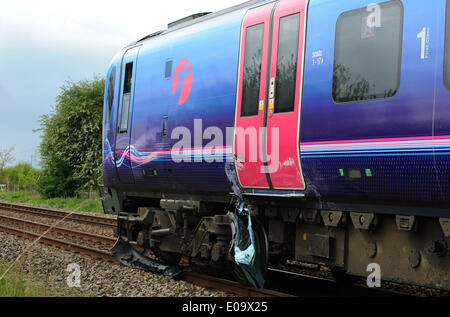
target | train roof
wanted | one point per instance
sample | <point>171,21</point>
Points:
<point>198,18</point>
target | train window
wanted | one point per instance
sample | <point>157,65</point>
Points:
<point>367,54</point>
<point>126,97</point>
<point>252,70</point>
<point>287,63</point>
<point>168,71</point>
<point>447,48</point>
<point>165,125</point>
<point>110,96</point>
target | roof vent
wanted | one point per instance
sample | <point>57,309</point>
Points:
<point>149,36</point>
<point>186,19</point>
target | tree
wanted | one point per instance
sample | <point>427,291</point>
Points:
<point>71,148</point>
<point>6,157</point>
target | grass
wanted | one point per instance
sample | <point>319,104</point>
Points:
<point>71,203</point>
<point>16,283</point>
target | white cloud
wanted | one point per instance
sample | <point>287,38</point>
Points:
<point>43,43</point>
<point>98,26</point>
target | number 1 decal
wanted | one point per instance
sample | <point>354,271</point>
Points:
<point>424,37</point>
<point>421,36</point>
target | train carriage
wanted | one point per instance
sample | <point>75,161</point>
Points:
<point>315,131</point>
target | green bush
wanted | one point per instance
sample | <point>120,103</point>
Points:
<point>57,180</point>
<point>71,148</point>
<point>22,176</point>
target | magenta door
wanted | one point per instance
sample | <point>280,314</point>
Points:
<point>275,116</point>
<point>253,65</point>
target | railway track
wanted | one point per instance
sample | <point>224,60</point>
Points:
<point>77,248</point>
<point>26,229</point>
<point>64,231</point>
<point>282,283</point>
<point>59,214</point>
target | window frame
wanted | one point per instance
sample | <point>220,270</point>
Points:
<point>276,101</point>
<point>110,93</point>
<point>128,94</point>
<point>446,62</point>
<point>168,71</point>
<point>400,57</point>
<point>255,113</point>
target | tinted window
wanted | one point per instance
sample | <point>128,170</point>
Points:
<point>287,63</point>
<point>252,70</point>
<point>165,125</point>
<point>168,70</point>
<point>126,97</point>
<point>447,48</point>
<point>367,53</point>
<point>128,77</point>
<point>110,96</point>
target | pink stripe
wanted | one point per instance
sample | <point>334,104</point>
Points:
<point>379,140</point>
<point>169,151</point>
<point>365,145</point>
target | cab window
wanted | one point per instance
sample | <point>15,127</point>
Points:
<point>110,95</point>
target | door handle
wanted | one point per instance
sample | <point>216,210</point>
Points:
<point>272,88</point>
<point>271,96</point>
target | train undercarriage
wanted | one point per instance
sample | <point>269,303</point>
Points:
<point>250,236</point>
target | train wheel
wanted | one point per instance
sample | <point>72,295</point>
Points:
<point>262,253</point>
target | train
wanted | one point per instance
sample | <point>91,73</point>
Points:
<point>289,131</point>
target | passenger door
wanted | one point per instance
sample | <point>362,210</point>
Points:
<point>273,34</point>
<point>123,152</point>
<point>248,147</point>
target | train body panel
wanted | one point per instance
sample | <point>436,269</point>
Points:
<point>110,118</point>
<point>180,102</point>
<point>366,150</point>
<point>173,71</point>
<point>385,142</point>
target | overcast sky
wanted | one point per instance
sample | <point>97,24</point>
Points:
<point>44,43</point>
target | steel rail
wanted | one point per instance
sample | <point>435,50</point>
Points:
<point>230,286</point>
<point>99,254</point>
<point>61,230</point>
<point>191,277</point>
<point>52,213</point>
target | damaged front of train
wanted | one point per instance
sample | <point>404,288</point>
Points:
<point>182,234</point>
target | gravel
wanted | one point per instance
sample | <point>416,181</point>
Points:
<point>98,278</point>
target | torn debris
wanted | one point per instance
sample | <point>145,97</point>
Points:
<point>128,256</point>
<point>243,238</point>
<point>243,242</point>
